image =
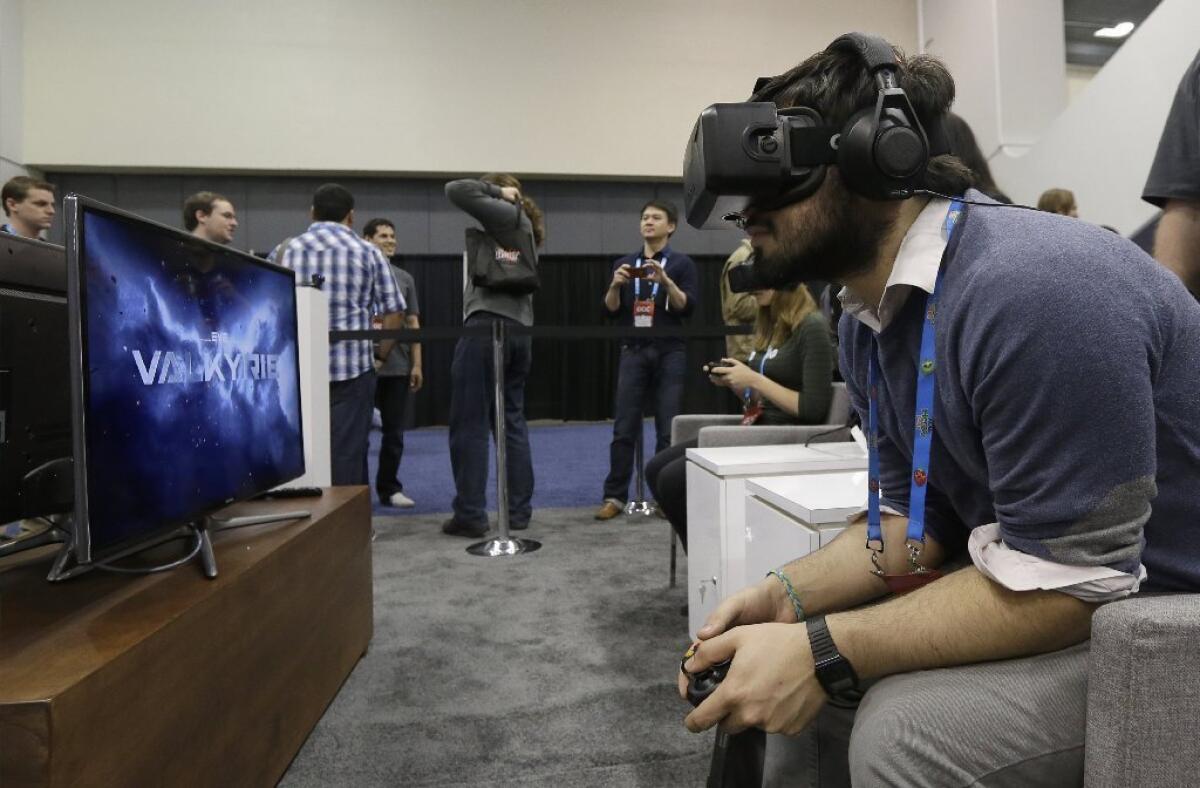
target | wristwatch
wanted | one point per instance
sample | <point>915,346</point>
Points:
<point>836,675</point>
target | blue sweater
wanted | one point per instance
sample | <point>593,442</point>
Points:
<point>1068,396</point>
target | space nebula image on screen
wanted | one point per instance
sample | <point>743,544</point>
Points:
<point>192,385</point>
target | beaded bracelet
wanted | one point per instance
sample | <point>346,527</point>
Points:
<point>791,592</point>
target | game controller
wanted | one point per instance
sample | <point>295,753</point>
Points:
<point>702,684</point>
<point>708,365</point>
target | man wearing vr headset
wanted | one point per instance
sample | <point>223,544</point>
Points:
<point>1027,383</point>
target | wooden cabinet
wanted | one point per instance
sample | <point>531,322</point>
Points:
<point>172,679</point>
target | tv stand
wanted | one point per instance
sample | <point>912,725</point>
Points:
<point>210,524</point>
<point>65,566</point>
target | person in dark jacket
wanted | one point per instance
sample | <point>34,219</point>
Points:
<point>655,287</point>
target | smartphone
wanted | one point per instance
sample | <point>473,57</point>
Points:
<point>638,273</point>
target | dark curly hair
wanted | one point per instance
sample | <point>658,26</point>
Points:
<point>536,217</point>
<point>835,82</point>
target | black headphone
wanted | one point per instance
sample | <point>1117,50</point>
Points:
<point>882,150</point>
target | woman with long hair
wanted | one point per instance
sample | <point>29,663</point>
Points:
<point>787,380</point>
<point>514,222</point>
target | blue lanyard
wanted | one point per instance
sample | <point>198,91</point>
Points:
<point>637,289</point>
<point>922,428</point>
<point>762,370</point>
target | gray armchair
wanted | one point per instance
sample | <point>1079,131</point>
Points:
<point>713,430</point>
<point>1143,693</point>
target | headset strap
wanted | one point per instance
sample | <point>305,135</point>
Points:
<point>875,52</point>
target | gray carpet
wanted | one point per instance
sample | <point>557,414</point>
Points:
<point>552,668</point>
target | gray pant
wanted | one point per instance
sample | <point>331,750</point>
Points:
<point>1017,722</point>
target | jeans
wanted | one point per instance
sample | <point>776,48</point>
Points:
<point>349,427</point>
<point>643,369</point>
<point>391,397</point>
<point>472,410</point>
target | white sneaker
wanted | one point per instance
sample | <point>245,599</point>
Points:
<point>401,501</point>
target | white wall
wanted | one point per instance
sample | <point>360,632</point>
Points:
<point>11,102</point>
<point>1102,145</point>
<point>558,87</point>
<point>1008,60</point>
<point>1078,78</point>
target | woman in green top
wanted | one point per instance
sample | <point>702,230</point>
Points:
<point>788,380</point>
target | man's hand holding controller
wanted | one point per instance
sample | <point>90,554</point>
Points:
<point>708,662</point>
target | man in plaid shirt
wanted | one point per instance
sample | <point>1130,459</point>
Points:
<point>358,284</point>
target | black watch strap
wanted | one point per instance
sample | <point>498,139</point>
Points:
<point>835,673</point>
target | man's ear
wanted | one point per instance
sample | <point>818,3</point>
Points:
<point>349,220</point>
<point>312,214</point>
<point>670,229</point>
<point>9,204</point>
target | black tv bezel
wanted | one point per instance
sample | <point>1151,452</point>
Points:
<point>74,207</point>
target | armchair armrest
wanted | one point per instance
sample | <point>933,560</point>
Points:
<point>687,427</point>
<point>1143,692</point>
<point>711,437</point>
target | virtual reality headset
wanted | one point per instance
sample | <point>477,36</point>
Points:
<point>755,154</point>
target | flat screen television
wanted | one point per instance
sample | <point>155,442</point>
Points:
<point>35,389</point>
<point>185,378</point>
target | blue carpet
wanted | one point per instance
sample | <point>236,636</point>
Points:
<point>570,462</point>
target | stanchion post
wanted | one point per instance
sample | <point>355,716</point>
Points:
<point>501,433</point>
<point>502,544</point>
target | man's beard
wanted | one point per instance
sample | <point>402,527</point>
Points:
<point>839,237</point>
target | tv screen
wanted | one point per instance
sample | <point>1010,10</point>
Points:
<point>189,392</point>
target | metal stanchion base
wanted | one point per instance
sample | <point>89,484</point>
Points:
<point>493,548</point>
<point>644,508</point>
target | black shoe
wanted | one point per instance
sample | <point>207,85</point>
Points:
<point>518,526</point>
<point>455,528</point>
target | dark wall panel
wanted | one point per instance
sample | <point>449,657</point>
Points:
<point>589,224</point>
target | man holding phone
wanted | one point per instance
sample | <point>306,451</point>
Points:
<point>656,287</point>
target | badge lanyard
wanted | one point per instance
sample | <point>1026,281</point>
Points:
<point>922,443</point>
<point>637,289</point>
